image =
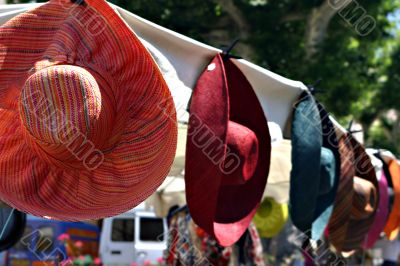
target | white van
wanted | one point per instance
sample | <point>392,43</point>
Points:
<point>134,237</point>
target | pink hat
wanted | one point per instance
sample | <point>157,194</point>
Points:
<point>381,214</point>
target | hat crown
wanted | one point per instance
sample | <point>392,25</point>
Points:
<point>63,113</point>
<point>242,155</point>
<point>365,199</point>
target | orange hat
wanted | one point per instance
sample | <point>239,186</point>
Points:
<point>87,123</point>
<point>392,226</point>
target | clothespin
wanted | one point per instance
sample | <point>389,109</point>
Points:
<point>353,131</point>
<point>312,88</point>
<point>79,2</point>
<point>226,53</point>
<point>350,125</point>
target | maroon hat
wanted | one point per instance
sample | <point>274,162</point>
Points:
<point>228,152</point>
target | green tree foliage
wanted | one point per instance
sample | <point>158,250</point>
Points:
<point>386,131</point>
<point>389,97</point>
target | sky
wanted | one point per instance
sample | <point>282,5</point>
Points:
<point>395,17</point>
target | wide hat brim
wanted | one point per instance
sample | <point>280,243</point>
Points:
<point>223,94</point>
<point>339,221</point>
<point>357,229</point>
<point>12,224</point>
<point>330,142</point>
<point>393,223</point>
<point>381,214</point>
<point>91,36</point>
<point>310,208</point>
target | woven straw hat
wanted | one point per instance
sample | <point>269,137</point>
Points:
<point>87,123</point>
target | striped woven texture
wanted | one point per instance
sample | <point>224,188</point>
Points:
<point>360,221</point>
<point>338,222</point>
<point>392,226</point>
<point>87,123</point>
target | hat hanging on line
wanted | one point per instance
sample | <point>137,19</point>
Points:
<point>391,226</point>
<point>393,223</point>
<point>338,223</point>
<point>227,153</point>
<point>315,169</point>
<point>271,217</point>
<point>365,198</point>
<point>88,125</point>
<point>382,212</point>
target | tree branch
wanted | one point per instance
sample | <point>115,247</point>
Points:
<point>242,24</point>
<point>292,17</point>
<point>318,22</point>
<point>237,16</point>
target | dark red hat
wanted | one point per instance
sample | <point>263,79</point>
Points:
<point>228,152</point>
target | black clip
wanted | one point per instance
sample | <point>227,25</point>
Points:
<point>226,52</point>
<point>312,88</point>
<point>353,131</point>
<point>356,131</point>
<point>79,2</point>
<point>225,56</point>
<point>378,154</point>
<point>350,125</point>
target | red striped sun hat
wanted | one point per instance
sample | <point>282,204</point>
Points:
<point>87,123</point>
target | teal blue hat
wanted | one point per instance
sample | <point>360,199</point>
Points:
<point>315,167</point>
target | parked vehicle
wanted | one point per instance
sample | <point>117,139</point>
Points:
<point>40,244</point>
<point>137,236</point>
